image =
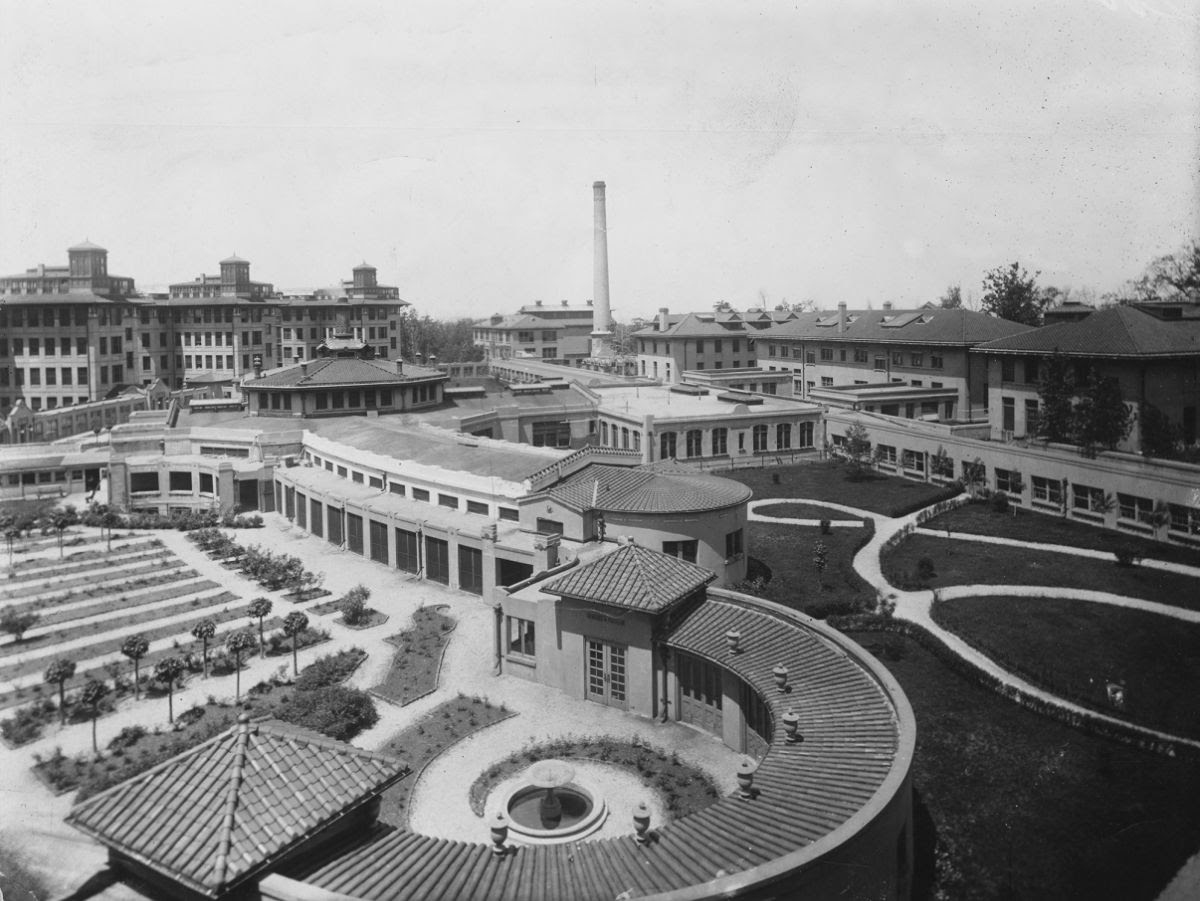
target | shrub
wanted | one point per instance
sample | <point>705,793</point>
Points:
<point>26,724</point>
<point>335,711</point>
<point>999,502</point>
<point>1127,555</point>
<point>127,737</point>
<point>825,525</point>
<point>330,669</point>
<point>925,569</point>
<point>354,605</point>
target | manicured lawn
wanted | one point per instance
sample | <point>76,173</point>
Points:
<point>1016,805</point>
<point>418,659</point>
<point>787,554</point>
<point>976,563</point>
<point>684,788</point>
<point>979,519</point>
<point>807,511</point>
<point>829,481</point>
<point>420,743</point>
<point>1075,649</point>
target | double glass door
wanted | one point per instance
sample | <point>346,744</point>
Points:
<point>606,673</point>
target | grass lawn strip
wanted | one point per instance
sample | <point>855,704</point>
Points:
<point>93,580</point>
<point>80,562</point>
<point>807,511</point>
<point>829,481</point>
<point>177,581</point>
<point>420,743</point>
<point>1012,804</point>
<point>1044,528</point>
<point>418,658</point>
<point>977,563</point>
<point>112,643</point>
<point>787,553</point>
<point>1075,649</point>
<point>38,643</point>
<point>685,788</point>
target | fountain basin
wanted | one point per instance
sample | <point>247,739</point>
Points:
<point>550,805</point>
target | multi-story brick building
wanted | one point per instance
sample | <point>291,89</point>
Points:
<point>723,339</point>
<point>925,348</point>
<point>67,333</point>
<point>538,331</point>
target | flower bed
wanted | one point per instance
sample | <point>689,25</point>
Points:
<point>418,658</point>
<point>684,788</point>
<point>124,602</point>
<point>420,743</point>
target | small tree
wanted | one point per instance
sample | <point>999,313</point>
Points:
<point>237,644</point>
<point>858,449</point>
<point>1160,436</point>
<point>108,521</point>
<point>260,609</point>
<point>1009,292</point>
<point>820,559</point>
<point>168,670</point>
<point>17,622</point>
<point>91,696</point>
<point>135,647</point>
<point>57,673</point>
<point>203,632</point>
<point>293,624</point>
<point>61,520</point>
<point>354,605</point>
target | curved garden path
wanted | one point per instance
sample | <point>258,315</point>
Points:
<point>917,606</point>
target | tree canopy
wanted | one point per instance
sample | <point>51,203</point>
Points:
<point>1010,292</point>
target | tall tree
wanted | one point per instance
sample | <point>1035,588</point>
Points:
<point>260,609</point>
<point>1101,416</point>
<point>293,624</point>
<point>91,696</point>
<point>135,647</point>
<point>57,673</point>
<point>237,644</point>
<point>1056,399</point>
<point>168,670</point>
<point>1174,277</point>
<point>61,520</point>
<point>1009,292</point>
<point>1159,436</point>
<point>952,299</point>
<point>203,631</point>
<point>858,449</point>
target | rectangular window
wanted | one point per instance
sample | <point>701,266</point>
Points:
<point>509,514</point>
<point>733,545</point>
<point>684,550</point>
<point>420,494</point>
<point>693,441</point>
<point>886,454</point>
<point>720,442</point>
<point>1087,499</point>
<point>1047,491</point>
<point>783,435</point>
<point>477,507</point>
<point>936,361</point>
<point>1008,369</point>
<point>1009,414</point>
<point>520,637</point>
<point>1135,509</point>
<point>181,481</point>
<point>1185,519</point>
<point>1008,481</point>
<point>1032,368</point>
<point>437,559</point>
<point>470,569</point>
<point>448,500</point>
<point>860,355</point>
<point>826,381</point>
<point>827,354</point>
<point>918,360</point>
<point>354,532</point>
<point>897,358</point>
<point>396,488</point>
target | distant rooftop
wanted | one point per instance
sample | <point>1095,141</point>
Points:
<point>639,490</point>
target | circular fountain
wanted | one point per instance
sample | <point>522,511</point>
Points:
<point>551,805</point>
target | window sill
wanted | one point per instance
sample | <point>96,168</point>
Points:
<point>521,660</point>
<point>1139,527</point>
<point>1087,515</point>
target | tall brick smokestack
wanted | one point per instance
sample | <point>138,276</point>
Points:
<point>601,314</point>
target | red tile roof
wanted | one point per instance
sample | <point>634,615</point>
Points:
<point>332,371</point>
<point>859,736</point>
<point>633,577</point>
<point>1116,332</point>
<point>623,490</point>
<point>923,326</point>
<point>228,808</point>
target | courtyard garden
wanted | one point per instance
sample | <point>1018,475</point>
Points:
<point>784,567</point>
<point>1013,804</point>
<point>952,561</point>
<point>836,482</point>
<point>1077,650</point>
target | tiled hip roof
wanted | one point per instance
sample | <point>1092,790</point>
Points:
<point>858,739</point>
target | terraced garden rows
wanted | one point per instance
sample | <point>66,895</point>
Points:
<point>133,600</point>
<point>34,569</point>
<point>61,604</point>
<point>89,581</point>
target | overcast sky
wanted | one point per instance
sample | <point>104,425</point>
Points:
<point>864,151</point>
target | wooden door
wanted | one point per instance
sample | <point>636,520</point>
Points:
<point>606,673</point>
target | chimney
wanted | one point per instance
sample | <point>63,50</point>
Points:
<point>602,314</point>
<point>537,303</point>
<point>841,316</point>
<point>303,370</point>
<point>399,367</point>
<point>662,318</point>
<point>887,306</point>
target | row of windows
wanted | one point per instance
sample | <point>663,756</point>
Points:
<point>449,501</point>
<point>35,403</point>
<point>178,482</point>
<point>787,436</point>
<point>702,345</point>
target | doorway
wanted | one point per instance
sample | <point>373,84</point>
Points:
<point>606,676</point>
<point>700,693</point>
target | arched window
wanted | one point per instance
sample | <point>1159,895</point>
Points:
<point>760,438</point>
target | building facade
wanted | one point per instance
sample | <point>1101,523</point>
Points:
<point>538,331</point>
<point>723,339</point>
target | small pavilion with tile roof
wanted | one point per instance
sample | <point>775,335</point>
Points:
<point>211,820</point>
